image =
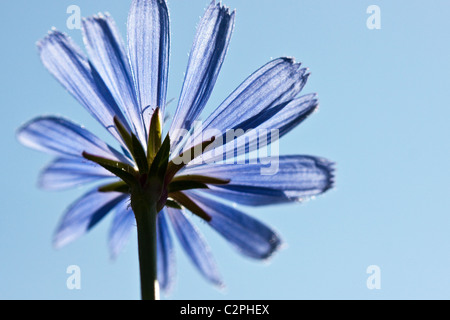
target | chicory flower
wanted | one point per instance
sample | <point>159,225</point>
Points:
<point>124,86</point>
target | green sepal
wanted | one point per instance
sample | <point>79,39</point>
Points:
<point>139,155</point>
<point>181,185</point>
<point>124,134</point>
<point>154,135</point>
<point>159,164</point>
<point>186,202</point>
<point>179,162</point>
<point>133,145</point>
<point>173,204</point>
<point>118,186</point>
<point>122,170</point>
<point>201,179</point>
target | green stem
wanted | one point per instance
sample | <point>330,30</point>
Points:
<point>146,214</point>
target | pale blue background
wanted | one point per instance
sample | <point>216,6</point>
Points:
<point>385,106</point>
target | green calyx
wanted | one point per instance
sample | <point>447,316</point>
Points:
<point>152,180</point>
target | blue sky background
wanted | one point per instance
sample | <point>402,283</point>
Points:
<point>385,105</point>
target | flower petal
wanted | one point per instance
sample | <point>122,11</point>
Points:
<point>123,224</point>
<point>165,253</point>
<point>296,178</point>
<point>195,246</point>
<point>66,62</point>
<point>205,61</point>
<point>64,174</point>
<point>109,57</point>
<point>250,196</point>
<point>283,117</point>
<point>251,237</point>
<point>84,214</point>
<point>258,132</point>
<point>63,138</point>
<point>277,82</point>
<point>148,51</point>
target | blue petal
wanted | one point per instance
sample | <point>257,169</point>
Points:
<point>148,51</point>
<point>123,224</point>
<point>108,55</point>
<point>165,254</point>
<point>84,214</point>
<point>66,62</point>
<point>205,61</point>
<point>258,132</point>
<point>251,237</point>
<point>297,178</point>
<point>283,117</point>
<point>63,138</point>
<point>64,174</point>
<point>279,81</point>
<point>250,196</point>
<point>195,246</point>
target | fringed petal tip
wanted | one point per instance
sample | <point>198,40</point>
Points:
<point>223,11</point>
<point>303,73</point>
<point>288,59</point>
<point>100,16</point>
<point>220,286</point>
<point>315,105</point>
<point>292,62</point>
<point>330,168</point>
<point>218,4</point>
<point>52,35</point>
<point>223,8</point>
<point>276,243</point>
<point>22,135</point>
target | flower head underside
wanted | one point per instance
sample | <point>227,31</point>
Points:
<point>198,167</point>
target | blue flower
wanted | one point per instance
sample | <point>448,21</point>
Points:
<point>124,87</point>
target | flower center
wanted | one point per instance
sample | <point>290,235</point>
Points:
<point>154,178</point>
